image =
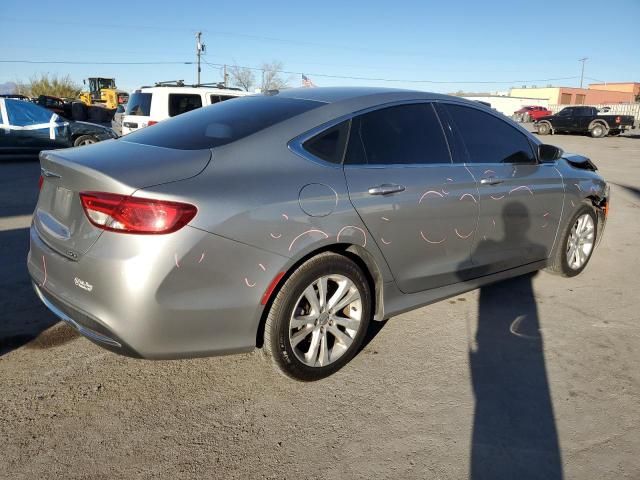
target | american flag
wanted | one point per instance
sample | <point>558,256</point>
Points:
<point>306,82</point>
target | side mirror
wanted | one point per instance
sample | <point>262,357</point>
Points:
<point>549,153</point>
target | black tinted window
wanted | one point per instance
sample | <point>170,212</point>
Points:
<point>139,104</point>
<point>222,123</point>
<point>489,139</point>
<point>220,98</point>
<point>183,102</point>
<point>406,134</point>
<point>329,145</point>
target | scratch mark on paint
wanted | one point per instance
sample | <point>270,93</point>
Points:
<point>384,241</point>
<point>449,179</point>
<point>494,222</point>
<point>275,235</point>
<point>357,228</point>
<point>44,266</point>
<point>424,237</point>
<point>578,187</point>
<point>497,197</point>
<point>546,214</point>
<point>427,193</point>
<point>201,257</point>
<point>486,172</point>
<point>306,233</point>
<point>285,216</point>
<point>175,257</point>
<point>462,235</point>
<point>484,237</point>
<point>572,204</point>
<point>469,195</point>
<point>249,284</point>
<point>262,267</point>
<point>521,187</point>
<point>385,219</point>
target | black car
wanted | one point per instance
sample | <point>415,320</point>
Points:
<point>581,119</point>
<point>26,129</point>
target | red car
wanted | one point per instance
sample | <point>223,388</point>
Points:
<point>531,113</point>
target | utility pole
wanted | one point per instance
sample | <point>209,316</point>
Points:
<point>225,76</point>
<point>582,73</point>
<point>200,47</point>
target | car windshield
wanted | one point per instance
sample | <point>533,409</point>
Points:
<point>222,123</point>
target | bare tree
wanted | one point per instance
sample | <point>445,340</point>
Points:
<point>271,76</point>
<point>242,77</point>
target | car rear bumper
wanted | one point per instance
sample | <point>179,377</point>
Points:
<point>182,295</point>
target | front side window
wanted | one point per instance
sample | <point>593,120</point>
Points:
<point>404,134</point>
<point>183,102</point>
<point>329,145</point>
<point>22,114</point>
<point>489,139</point>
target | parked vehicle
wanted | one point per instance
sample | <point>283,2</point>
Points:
<point>584,120</point>
<point>27,128</point>
<point>54,104</point>
<point>150,105</point>
<point>531,113</point>
<point>292,220</point>
<point>116,123</point>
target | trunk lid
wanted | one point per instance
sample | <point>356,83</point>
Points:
<point>114,167</point>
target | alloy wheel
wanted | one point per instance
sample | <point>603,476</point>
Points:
<point>581,240</point>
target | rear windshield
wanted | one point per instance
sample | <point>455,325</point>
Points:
<point>222,123</point>
<point>139,104</point>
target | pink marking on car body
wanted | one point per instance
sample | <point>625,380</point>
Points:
<point>449,179</point>
<point>201,257</point>
<point>285,216</point>
<point>44,267</point>
<point>494,222</point>
<point>546,214</point>
<point>175,257</point>
<point>461,235</point>
<point>262,267</point>
<point>384,241</point>
<point>469,195</point>
<point>578,186</point>
<point>249,284</point>
<point>572,204</point>
<point>385,219</point>
<point>521,187</point>
<point>356,228</point>
<point>497,198</point>
<point>313,230</point>
<point>424,237</point>
<point>427,193</point>
<point>275,235</point>
<point>488,171</point>
<point>544,225</point>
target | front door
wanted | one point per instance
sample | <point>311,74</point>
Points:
<point>520,200</point>
<point>419,207</point>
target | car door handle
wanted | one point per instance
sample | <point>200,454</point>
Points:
<point>491,181</point>
<point>386,189</point>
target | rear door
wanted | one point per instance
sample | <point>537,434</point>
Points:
<point>520,200</point>
<point>183,102</point>
<point>138,111</point>
<point>420,208</point>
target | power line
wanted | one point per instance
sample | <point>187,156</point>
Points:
<point>71,62</point>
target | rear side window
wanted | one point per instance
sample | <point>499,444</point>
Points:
<point>139,104</point>
<point>22,114</point>
<point>406,134</point>
<point>222,123</point>
<point>220,98</point>
<point>488,139</point>
<point>329,145</point>
<point>183,103</point>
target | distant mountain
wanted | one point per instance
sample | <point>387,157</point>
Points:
<point>7,87</point>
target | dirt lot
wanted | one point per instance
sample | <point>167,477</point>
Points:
<point>536,377</point>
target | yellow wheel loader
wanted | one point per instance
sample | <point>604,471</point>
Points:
<point>103,92</point>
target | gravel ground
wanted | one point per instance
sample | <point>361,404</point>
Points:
<point>536,377</point>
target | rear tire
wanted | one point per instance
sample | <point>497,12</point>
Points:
<point>544,128</point>
<point>598,130</point>
<point>310,331</point>
<point>579,236</point>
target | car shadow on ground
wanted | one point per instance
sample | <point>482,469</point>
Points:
<point>23,318</point>
<point>633,190</point>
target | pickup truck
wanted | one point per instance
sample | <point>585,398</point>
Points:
<point>584,120</point>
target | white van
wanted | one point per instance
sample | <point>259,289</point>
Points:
<point>150,105</point>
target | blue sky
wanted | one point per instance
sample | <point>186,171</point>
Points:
<point>453,42</point>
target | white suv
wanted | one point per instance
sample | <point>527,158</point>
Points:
<point>150,105</point>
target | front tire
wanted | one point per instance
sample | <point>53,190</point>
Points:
<point>544,128</point>
<point>577,244</point>
<point>84,140</point>
<point>319,317</point>
<point>598,131</point>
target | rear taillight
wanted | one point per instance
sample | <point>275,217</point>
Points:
<point>120,213</point>
<point>40,180</point>
<point>617,119</point>
<point>151,122</point>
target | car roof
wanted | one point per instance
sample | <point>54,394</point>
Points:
<point>171,89</point>
<point>338,94</point>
